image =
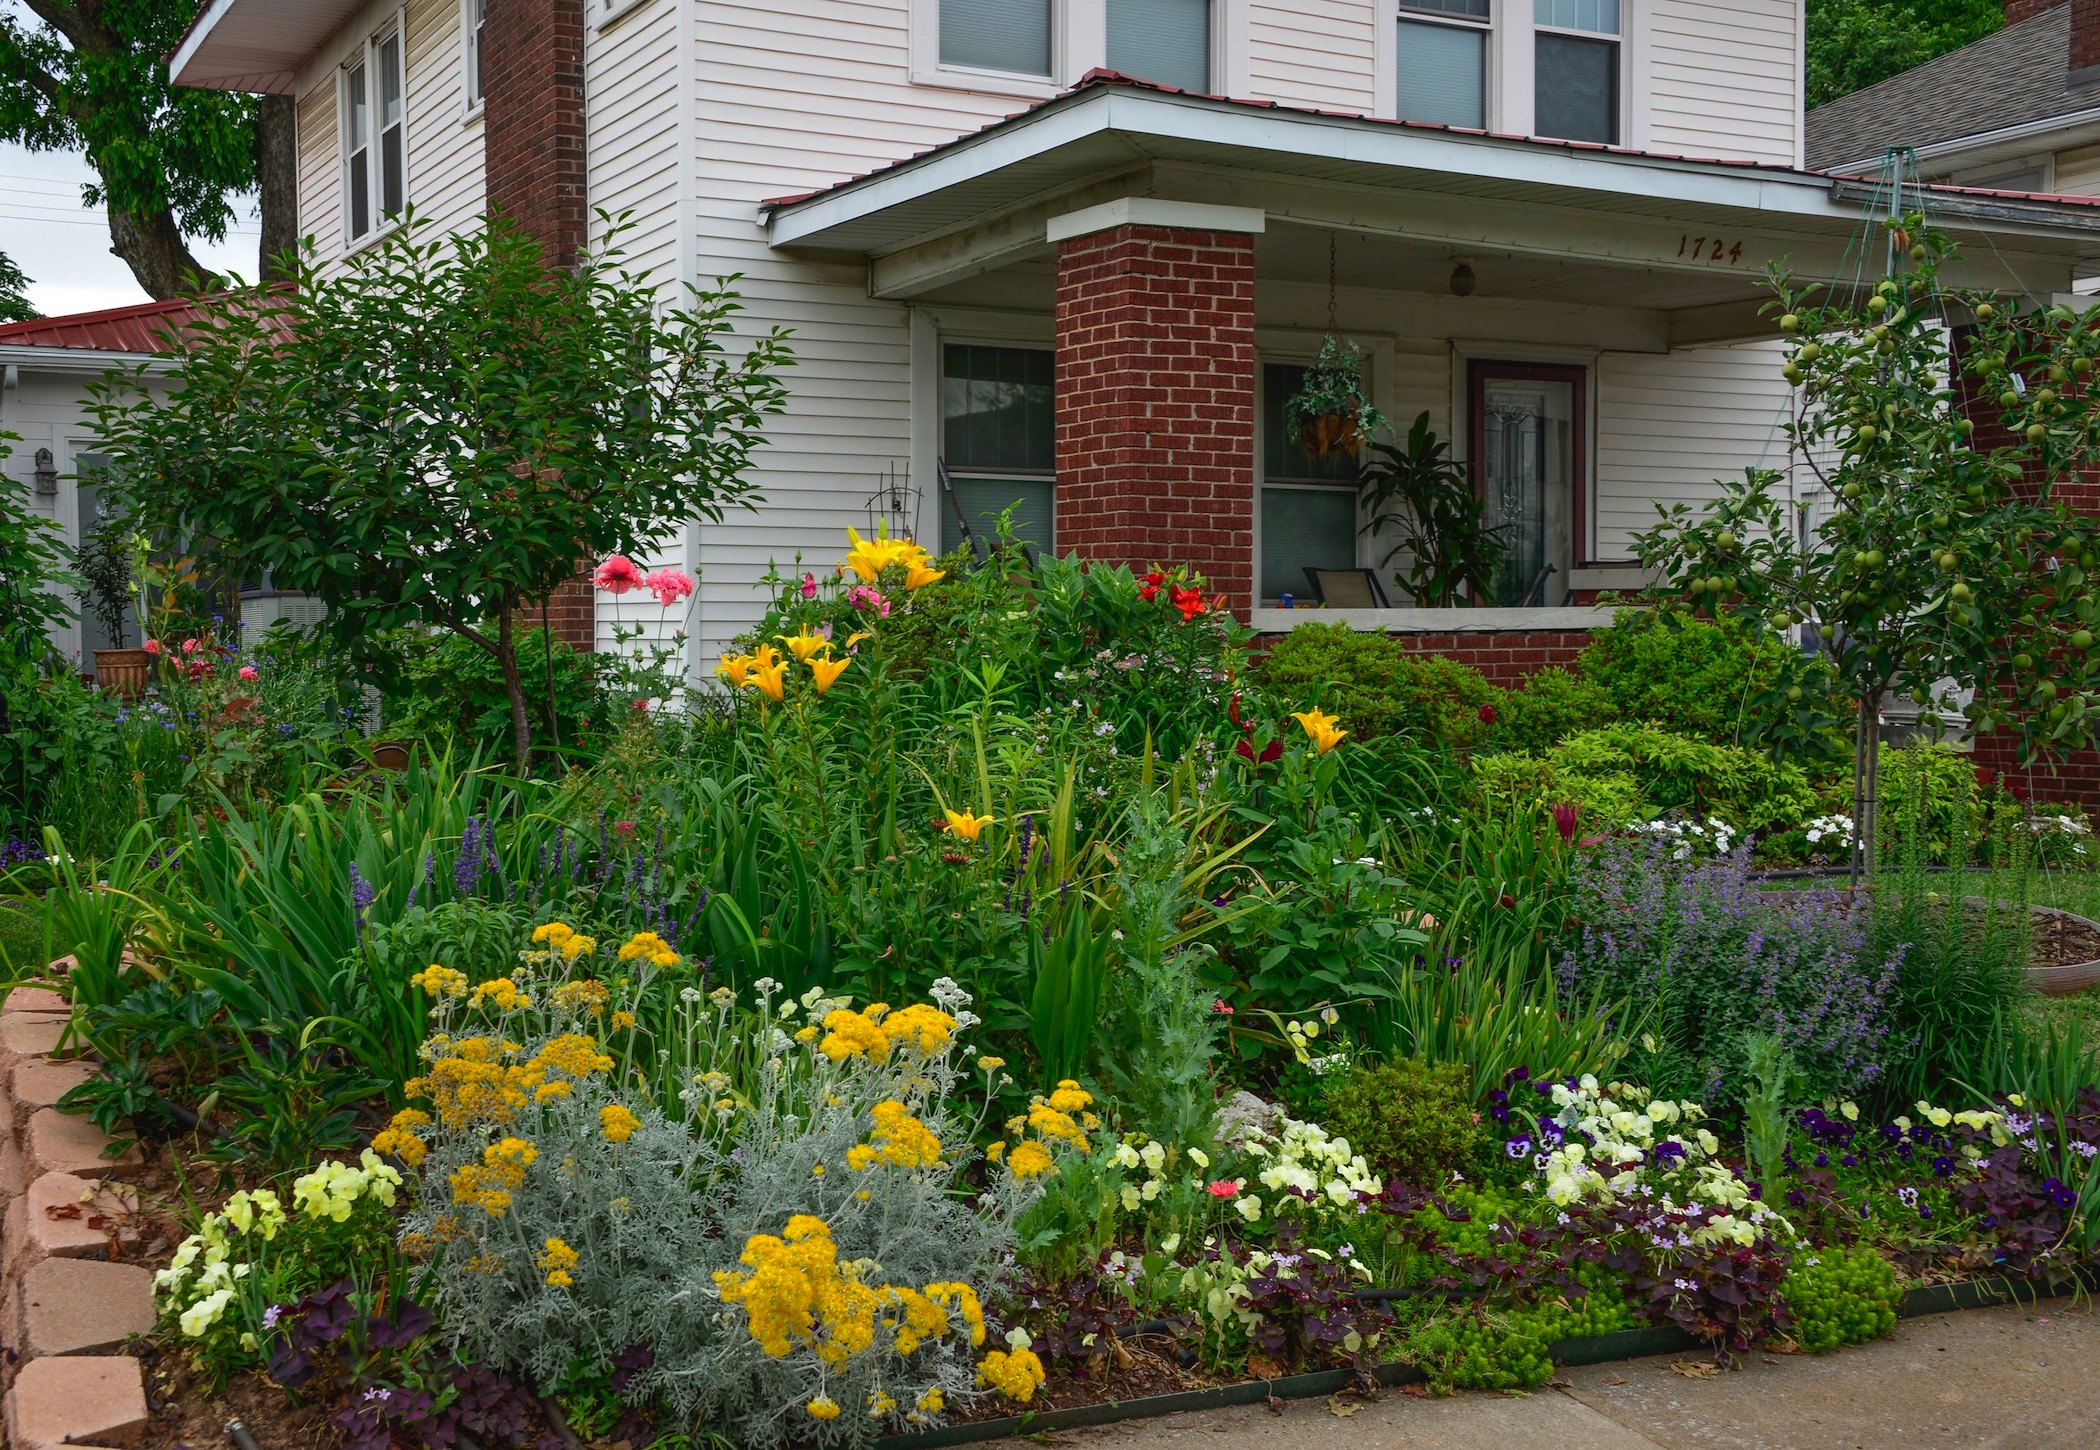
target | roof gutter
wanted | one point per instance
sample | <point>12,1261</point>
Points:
<point>1980,208</point>
<point>30,357</point>
<point>1982,140</point>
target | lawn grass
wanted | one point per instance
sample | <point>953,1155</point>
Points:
<point>21,937</point>
<point>2073,891</point>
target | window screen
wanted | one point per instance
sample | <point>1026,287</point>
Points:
<point>1578,89</point>
<point>1012,35</point>
<point>393,142</point>
<point>1303,527</point>
<point>1443,74</point>
<point>999,440</point>
<point>358,155</point>
<point>1167,41</point>
<point>1600,16</point>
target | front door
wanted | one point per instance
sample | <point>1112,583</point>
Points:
<point>1528,453</point>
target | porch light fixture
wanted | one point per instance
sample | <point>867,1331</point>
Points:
<point>1462,279</point>
<point>46,472</point>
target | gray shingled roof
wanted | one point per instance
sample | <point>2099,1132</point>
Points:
<point>2006,79</point>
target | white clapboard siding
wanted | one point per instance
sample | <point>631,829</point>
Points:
<point>2078,172</point>
<point>1670,424</point>
<point>1320,53</point>
<point>320,171</point>
<point>784,103</point>
<point>632,132</point>
<point>445,172</point>
<point>1421,380</point>
<point>1724,78</point>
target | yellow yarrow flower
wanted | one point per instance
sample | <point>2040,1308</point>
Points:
<point>437,981</point>
<point>1016,1374</point>
<point>557,1261</point>
<point>1029,1160</point>
<point>823,1407</point>
<point>617,1123</point>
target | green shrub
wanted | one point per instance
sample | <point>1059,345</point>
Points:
<point>1379,687</point>
<point>1478,1350</point>
<point>453,689</point>
<point>1521,779</point>
<point>1550,706</point>
<point>1677,773</point>
<point>1410,1119</point>
<point>1841,1296</point>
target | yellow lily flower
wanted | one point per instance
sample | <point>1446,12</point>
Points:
<point>771,679</point>
<point>804,643</point>
<point>764,657</point>
<point>735,669</point>
<point>965,825</point>
<point>1323,729</point>
<point>827,670</point>
<point>921,576</point>
<point>857,636</point>
<point>869,557</point>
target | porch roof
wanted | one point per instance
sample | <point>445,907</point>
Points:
<point>1575,216</point>
<point>254,45</point>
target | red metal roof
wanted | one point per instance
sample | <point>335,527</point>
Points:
<point>138,328</point>
<point>1101,77</point>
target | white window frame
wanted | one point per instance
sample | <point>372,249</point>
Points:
<point>1068,59</point>
<point>366,58</point>
<point>610,11</point>
<point>1622,39</point>
<point>473,80</point>
<point>1492,79</point>
<point>989,330</point>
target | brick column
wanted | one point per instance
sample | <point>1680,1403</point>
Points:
<point>533,163</point>
<point>1155,395</point>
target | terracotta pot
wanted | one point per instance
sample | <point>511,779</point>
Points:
<point>1329,433</point>
<point>124,673</point>
<point>392,754</point>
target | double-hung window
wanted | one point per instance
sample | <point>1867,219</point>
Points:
<point>1168,41</point>
<point>997,35</point>
<point>1443,61</point>
<point>1576,66</point>
<point>472,18</point>
<point>1308,503</point>
<point>999,441</point>
<point>375,136</point>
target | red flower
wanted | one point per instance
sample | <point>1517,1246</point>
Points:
<point>1272,751</point>
<point>1148,587</point>
<point>152,646</point>
<point>1508,900</point>
<point>1223,1188</point>
<point>624,829</point>
<point>1232,711</point>
<point>1189,601</point>
<point>617,575</point>
<point>1984,778</point>
<point>1565,816</point>
<point>1222,1007</point>
<point>1487,714</point>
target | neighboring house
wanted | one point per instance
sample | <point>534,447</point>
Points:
<point>1545,221</point>
<point>2015,111</point>
<point>47,367</point>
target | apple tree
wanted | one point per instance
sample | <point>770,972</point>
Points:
<point>1950,563</point>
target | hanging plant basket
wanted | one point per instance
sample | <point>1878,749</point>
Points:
<point>1331,414</point>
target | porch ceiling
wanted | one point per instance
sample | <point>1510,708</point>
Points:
<point>1539,220</point>
<point>254,45</point>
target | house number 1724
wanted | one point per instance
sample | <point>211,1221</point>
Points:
<point>1709,249</point>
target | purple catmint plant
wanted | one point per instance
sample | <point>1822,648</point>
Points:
<point>1716,959</point>
<point>362,893</point>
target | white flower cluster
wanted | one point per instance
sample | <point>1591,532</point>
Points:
<point>1836,830</point>
<point>1651,1148</point>
<point>1305,1162</point>
<point>1153,1159</point>
<point>200,1281</point>
<point>2070,829</point>
<point>1714,836</point>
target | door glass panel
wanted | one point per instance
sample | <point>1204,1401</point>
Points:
<point>1527,435</point>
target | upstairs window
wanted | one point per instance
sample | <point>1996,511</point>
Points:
<point>1443,59</point>
<point>475,14</point>
<point>999,440</point>
<point>1002,35</point>
<point>1576,65</point>
<point>1167,41</point>
<point>375,138</point>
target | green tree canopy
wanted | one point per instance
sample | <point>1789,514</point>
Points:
<point>14,292</point>
<point>1854,43</point>
<point>90,76</point>
<point>441,431</point>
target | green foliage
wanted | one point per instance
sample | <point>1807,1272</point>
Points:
<point>1624,772</point>
<point>15,305</point>
<point>438,430</point>
<point>1413,1120</point>
<point>1334,388</point>
<point>1377,686</point>
<point>1770,1074</point>
<point>1549,706</point>
<point>1853,44</point>
<point>1416,496</point>
<point>1518,780</point>
<point>103,563</point>
<point>450,689</point>
<point>1840,1296</point>
<point>1511,1350</point>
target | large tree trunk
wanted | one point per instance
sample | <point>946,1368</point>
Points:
<point>277,163</point>
<point>514,686</point>
<point>153,248</point>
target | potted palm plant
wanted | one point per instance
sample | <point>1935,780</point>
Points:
<point>103,564</point>
<point>1331,413</point>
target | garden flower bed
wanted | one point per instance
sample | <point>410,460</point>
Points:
<point>1004,1005</point>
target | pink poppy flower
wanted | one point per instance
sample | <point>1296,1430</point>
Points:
<point>1223,1188</point>
<point>617,575</point>
<point>670,586</point>
<point>249,672</point>
<point>190,646</point>
<point>152,646</point>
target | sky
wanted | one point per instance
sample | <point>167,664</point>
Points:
<point>63,247</point>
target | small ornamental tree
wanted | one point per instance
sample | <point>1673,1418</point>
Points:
<point>443,429</point>
<point>1949,561</point>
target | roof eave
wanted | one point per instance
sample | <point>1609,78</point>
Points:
<point>253,45</point>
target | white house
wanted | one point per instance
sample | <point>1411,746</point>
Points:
<point>1075,250</point>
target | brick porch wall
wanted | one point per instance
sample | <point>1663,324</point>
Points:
<point>1155,401</point>
<point>1506,657</point>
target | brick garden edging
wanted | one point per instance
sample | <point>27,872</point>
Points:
<point>68,1299</point>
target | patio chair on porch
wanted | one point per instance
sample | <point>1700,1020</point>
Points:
<point>1346,588</point>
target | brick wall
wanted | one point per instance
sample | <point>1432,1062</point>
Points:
<point>532,120</point>
<point>2019,10</point>
<point>1155,401</point>
<point>1506,657</point>
<point>2085,36</point>
<point>533,160</point>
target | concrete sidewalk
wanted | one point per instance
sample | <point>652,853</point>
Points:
<point>2008,1377</point>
